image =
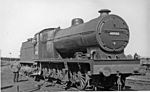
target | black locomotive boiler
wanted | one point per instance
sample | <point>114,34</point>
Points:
<point>95,47</point>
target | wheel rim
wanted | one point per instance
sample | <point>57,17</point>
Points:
<point>81,84</point>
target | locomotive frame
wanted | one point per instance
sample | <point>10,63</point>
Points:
<point>95,73</point>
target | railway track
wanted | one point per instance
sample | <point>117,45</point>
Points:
<point>140,83</point>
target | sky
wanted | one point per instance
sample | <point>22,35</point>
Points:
<point>21,19</point>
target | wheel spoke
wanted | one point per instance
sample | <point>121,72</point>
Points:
<point>82,83</point>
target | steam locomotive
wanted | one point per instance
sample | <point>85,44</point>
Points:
<point>94,49</point>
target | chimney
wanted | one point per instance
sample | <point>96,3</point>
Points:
<point>104,12</point>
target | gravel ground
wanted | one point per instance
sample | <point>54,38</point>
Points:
<point>25,84</point>
<point>28,85</point>
<point>139,82</point>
